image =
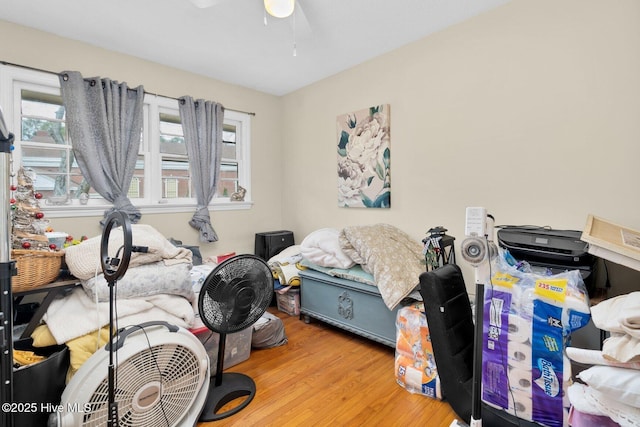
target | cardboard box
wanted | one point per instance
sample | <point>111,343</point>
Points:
<point>237,347</point>
<point>223,257</point>
<point>289,302</point>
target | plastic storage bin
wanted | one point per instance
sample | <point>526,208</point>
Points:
<point>237,347</point>
<point>289,302</point>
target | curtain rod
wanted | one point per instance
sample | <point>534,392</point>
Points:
<point>146,93</point>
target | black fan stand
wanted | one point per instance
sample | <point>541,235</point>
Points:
<point>229,386</point>
<point>113,269</point>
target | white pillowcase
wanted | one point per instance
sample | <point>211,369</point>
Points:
<point>577,393</point>
<point>624,415</point>
<point>596,357</point>
<point>620,384</point>
<point>322,247</point>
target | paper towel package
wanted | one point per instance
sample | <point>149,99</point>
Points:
<point>415,366</point>
<point>527,319</point>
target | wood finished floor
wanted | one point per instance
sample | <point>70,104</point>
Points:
<point>328,377</point>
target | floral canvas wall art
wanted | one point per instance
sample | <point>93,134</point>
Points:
<point>364,158</point>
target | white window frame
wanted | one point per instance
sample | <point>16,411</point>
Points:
<point>13,79</point>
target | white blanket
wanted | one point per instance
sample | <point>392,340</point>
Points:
<point>322,247</point>
<point>76,314</point>
<point>83,260</point>
<point>620,316</point>
<point>286,267</point>
<point>145,280</point>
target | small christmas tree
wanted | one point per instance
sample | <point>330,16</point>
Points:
<point>27,220</point>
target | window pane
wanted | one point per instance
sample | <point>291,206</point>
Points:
<point>170,188</point>
<point>136,189</point>
<point>229,133</point>
<point>52,178</point>
<point>44,105</point>
<point>228,182</point>
<point>171,135</point>
<point>50,166</point>
<point>229,142</point>
<point>228,151</point>
<point>80,185</point>
<point>43,118</point>
<point>176,180</point>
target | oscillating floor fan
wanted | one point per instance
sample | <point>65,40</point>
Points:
<point>162,380</point>
<point>233,297</point>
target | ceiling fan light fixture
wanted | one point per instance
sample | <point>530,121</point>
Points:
<point>279,8</point>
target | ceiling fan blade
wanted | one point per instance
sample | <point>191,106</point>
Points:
<point>203,4</point>
<point>302,26</point>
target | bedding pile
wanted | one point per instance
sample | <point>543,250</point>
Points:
<point>389,255</point>
<point>610,389</point>
<point>285,267</point>
<point>83,260</point>
<point>157,286</point>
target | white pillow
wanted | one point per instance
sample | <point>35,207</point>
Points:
<point>322,247</point>
<point>620,384</point>
<point>596,357</point>
<point>624,415</point>
<point>577,393</point>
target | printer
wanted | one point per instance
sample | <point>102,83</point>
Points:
<point>544,248</point>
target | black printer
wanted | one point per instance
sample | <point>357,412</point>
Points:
<point>556,250</point>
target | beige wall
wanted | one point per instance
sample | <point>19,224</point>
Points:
<point>235,229</point>
<point>531,110</point>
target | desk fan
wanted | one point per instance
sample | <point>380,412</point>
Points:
<point>233,297</point>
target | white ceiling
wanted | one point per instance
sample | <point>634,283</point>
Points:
<point>229,41</point>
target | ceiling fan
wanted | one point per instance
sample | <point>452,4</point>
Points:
<point>275,8</point>
<point>279,9</point>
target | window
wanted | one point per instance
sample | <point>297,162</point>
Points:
<point>176,175</point>
<point>228,182</point>
<point>46,149</point>
<point>170,188</point>
<point>34,112</point>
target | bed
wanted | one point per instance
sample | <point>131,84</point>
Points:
<point>357,278</point>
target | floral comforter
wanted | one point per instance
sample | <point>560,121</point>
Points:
<point>393,258</point>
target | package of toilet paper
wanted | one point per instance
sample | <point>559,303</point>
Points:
<point>415,366</point>
<point>527,320</point>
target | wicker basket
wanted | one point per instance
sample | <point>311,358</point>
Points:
<point>35,268</point>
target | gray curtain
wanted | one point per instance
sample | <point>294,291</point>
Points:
<point>202,125</point>
<point>104,118</point>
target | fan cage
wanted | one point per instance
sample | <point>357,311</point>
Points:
<point>235,294</point>
<point>171,372</point>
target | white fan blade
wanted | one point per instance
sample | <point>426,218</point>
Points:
<point>203,4</point>
<point>302,26</point>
